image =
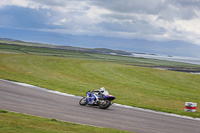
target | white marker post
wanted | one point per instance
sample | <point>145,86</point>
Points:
<point>190,107</point>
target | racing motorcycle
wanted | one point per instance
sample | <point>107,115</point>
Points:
<point>97,99</point>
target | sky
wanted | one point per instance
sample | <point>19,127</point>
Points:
<point>153,26</point>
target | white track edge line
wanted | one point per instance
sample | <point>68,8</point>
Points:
<point>115,104</point>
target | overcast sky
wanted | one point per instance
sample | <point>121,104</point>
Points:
<point>55,21</point>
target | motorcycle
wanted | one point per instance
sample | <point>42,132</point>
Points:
<point>97,99</point>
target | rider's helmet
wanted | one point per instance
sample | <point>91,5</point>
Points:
<point>102,89</point>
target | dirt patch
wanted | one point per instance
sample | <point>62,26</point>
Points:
<point>8,52</point>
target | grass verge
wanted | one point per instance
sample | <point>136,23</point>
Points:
<point>11,122</point>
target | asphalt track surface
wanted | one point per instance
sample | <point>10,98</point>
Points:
<point>38,102</point>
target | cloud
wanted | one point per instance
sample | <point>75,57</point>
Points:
<point>21,3</point>
<point>62,21</point>
<point>156,20</point>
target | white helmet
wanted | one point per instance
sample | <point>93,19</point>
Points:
<point>102,89</point>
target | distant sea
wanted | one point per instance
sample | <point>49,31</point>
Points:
<point>171,58</point>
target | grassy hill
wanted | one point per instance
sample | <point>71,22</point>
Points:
<point>77,72</point>
<point>126,60</point>
<point>42,45</point>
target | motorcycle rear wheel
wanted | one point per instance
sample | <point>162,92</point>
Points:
<point>105,104</point>
<point>83,101</point>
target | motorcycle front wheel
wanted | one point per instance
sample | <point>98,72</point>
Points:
<point>104,104</point>
<point>83,101</point>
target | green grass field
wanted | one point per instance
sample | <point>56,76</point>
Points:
<point>20,123</point>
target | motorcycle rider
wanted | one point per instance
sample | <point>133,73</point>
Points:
<point>102,90</point>
<point>96,94</point>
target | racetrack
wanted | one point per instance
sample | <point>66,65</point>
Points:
<point>33,101</point>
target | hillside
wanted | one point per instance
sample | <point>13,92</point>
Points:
<point>98,56</point>
<point>95,50</point>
